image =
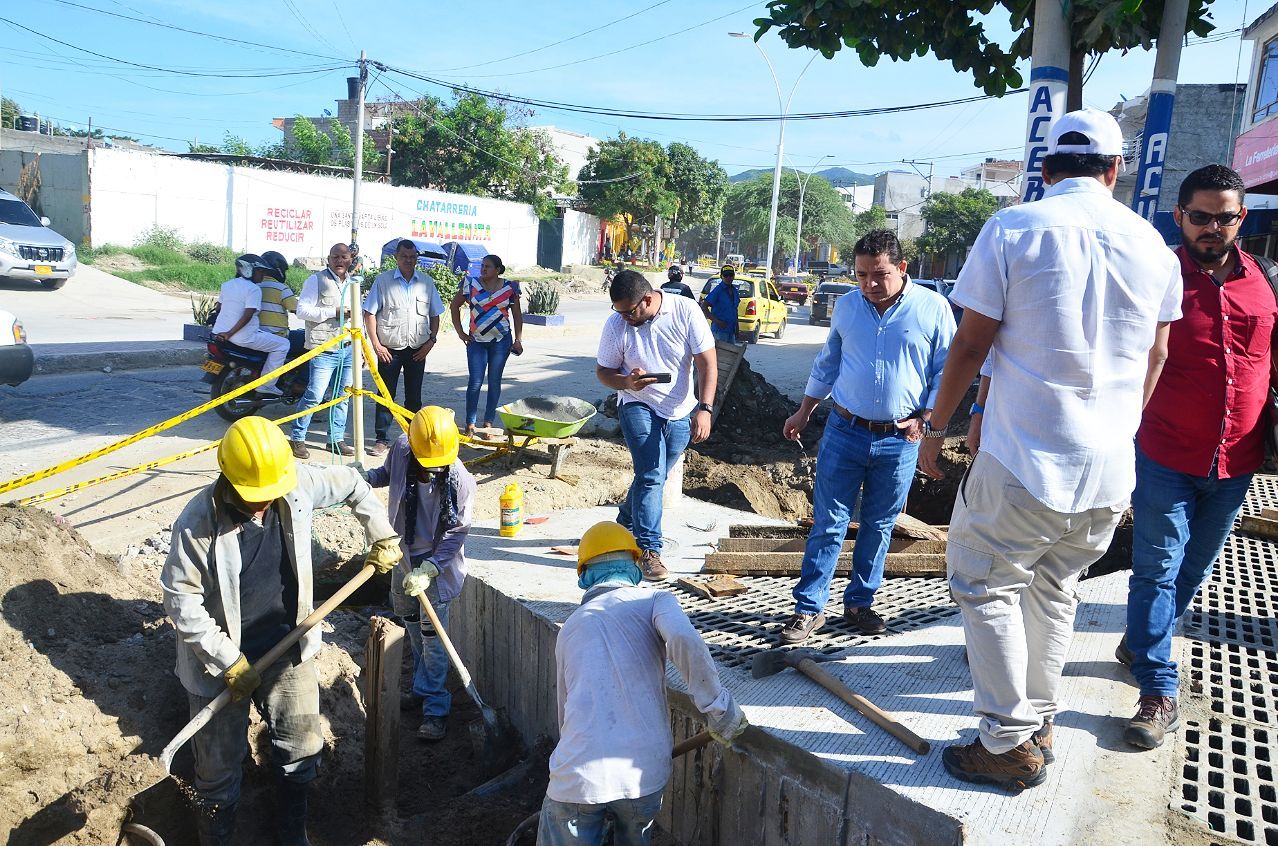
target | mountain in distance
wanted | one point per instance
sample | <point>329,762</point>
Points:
<point>840,177</point>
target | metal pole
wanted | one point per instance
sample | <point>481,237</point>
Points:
<point>357,352</point>
<point>1049,77</point>
<point>718,242</point>
<point>1162,98</point>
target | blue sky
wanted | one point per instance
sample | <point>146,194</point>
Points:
<point>667,56</point>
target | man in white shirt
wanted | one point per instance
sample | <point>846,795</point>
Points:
<point>237,320</point>
<point>613,756</point>
<point>646,354</point>
<point>401,315</point>
<point>1074,294</point>
<point>320,307</point>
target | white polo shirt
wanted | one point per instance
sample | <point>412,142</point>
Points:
<point>1079,282</point>
<point>665,344</point>
<point>237,295</point>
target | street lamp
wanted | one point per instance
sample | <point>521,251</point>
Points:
<point>784,109</point>
<point>803,187</point>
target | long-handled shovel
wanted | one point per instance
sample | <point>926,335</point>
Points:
<point>206,714</point>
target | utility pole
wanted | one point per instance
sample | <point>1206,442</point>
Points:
<point>1049,78</point>
<point>798,229</point>
<point>1162,98</point>
<point>357,350</point>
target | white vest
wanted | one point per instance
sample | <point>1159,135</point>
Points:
<point>329,297</point>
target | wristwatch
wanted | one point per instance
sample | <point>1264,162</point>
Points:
<point>976,408</point>
<point>705,406</point>
<point>929,431</point>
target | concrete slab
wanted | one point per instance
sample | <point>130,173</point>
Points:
<point>1098,791</point>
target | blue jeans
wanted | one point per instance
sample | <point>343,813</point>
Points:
<point>486,357</point>
<point>1181,523</point>
<point>724,333</point>
<point>570,824</point>
<point>323,386</point>
<point>852,460</point>
<point>430,661</point>
<point>288,700</point>
<point>655,445</point>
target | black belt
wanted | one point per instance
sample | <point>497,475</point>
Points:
<point>872,425</point>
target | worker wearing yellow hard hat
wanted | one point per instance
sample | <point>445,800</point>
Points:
<point>234,557</point>
<point>613,756</point>
<point>431,496</point>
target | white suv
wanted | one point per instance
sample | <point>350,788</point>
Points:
<point>29,249</point>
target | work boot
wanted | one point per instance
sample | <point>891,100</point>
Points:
<point>1155,716</point>
<point>299,449</point>
<point>379,448</point>
<point>1043,740</point>
<point>651,567</point>
<point>1124,653</point>
<point>215,824</point>
<point>1017,769</point>
<point>432,729</point>
<point>343,449</point>
<point>865,620</point>
<point>290,818</point>
<point>797,629</point>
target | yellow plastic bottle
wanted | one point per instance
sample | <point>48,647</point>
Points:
<point>512,510</point>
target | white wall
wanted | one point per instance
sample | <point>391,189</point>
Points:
<point>297,214</point>
<point>581,237</point>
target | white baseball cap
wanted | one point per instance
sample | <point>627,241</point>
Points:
<point>1104,138</point>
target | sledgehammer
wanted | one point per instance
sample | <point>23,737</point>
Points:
<point>775,660</point>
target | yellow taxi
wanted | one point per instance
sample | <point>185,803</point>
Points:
<point>762,311</point>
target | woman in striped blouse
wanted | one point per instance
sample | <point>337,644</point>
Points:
<point>496,324</point>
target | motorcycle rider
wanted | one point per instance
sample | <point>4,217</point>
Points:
<point>237,322</point>
<point>675,284</point>
<point>278,300</point>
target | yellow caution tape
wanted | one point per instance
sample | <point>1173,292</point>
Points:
<point>403,415</point>
<point>23,481</point>
<point>160,462</point>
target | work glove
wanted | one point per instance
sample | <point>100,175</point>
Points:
<point>242,679</point>
<point>730,729</point>
<point>385,554</point>
<point>419,580</point>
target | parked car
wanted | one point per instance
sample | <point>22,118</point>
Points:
<point>761,312</point>
<point>16,360</point>
<point>823,300</point>
<point>794,289</point>
<point>29,249</point>
<point>826,270</point>
<point>944,287</point>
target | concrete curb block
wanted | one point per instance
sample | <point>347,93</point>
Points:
<point>177,353</point>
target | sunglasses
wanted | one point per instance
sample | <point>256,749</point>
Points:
<point>631,312</point>
<point>1202,218</point>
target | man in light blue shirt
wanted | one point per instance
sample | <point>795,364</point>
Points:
<point>882,363</point>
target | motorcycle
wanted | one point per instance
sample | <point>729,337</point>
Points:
<point>229,366</point>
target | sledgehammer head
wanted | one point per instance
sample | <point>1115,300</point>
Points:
<point>775,660</point>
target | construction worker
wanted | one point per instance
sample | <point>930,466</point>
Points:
<point>235,583</point>
<point>320,306</point>
<point>721,306</point>
<point>237,321</point>
<point>432,501</point>
<point>613,756</point>
<point>278,300</point>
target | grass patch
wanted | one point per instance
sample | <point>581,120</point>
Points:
<point>158,255</point>
<point>192,275</point>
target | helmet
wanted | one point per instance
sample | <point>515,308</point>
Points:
<point>276,265</point>
<point>602,538</point>
<point>256,459</point>
<point>245,264</point>
<point>675,274</point>
<point>433,437</point>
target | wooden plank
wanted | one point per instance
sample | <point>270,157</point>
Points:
<point>732,354</point>
<point>1269,513</point>
<point>1262,526</point>
<point>384,661</point>
<point>797,544</point>
<point>898,565</point>
<point>696,587</point>
<point>906,527</point>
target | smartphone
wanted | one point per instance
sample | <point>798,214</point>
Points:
<point>658,378</point>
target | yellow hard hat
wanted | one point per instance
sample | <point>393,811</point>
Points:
<point>256,459</point>
<point>433,436</point>
<point>602,538</point>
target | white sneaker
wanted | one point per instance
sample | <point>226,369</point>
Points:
<point>269,391</point>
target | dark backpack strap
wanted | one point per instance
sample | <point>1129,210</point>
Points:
<point>1270,269</point>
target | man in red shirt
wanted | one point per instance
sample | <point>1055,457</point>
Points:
<point>1201,437</point>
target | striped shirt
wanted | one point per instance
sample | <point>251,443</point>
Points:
<point>490,311</point>
<point>278,300</point>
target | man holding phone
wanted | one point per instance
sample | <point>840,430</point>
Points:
<point>649,346</point>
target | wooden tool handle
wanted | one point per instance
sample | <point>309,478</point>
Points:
<point>447,643</point>
<point>876,715</point>
<point>692,743</point>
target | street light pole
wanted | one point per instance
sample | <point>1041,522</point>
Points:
<point>783,106</point>
<point>803,187</point>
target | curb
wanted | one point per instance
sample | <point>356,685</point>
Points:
<point>161,355</point>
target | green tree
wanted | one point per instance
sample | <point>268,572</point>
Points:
<point>630,177</point>
<point>474,146</point>
<point>875,217</point>
<point>344,149</point>
<point>954,220</point>
<point>234,145</point>
<point>196,147</point>
<point>310,145</point>
<point>9,111</point>
<point>826,217</point>
<point>700,187</point>
<point>957,32</point>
